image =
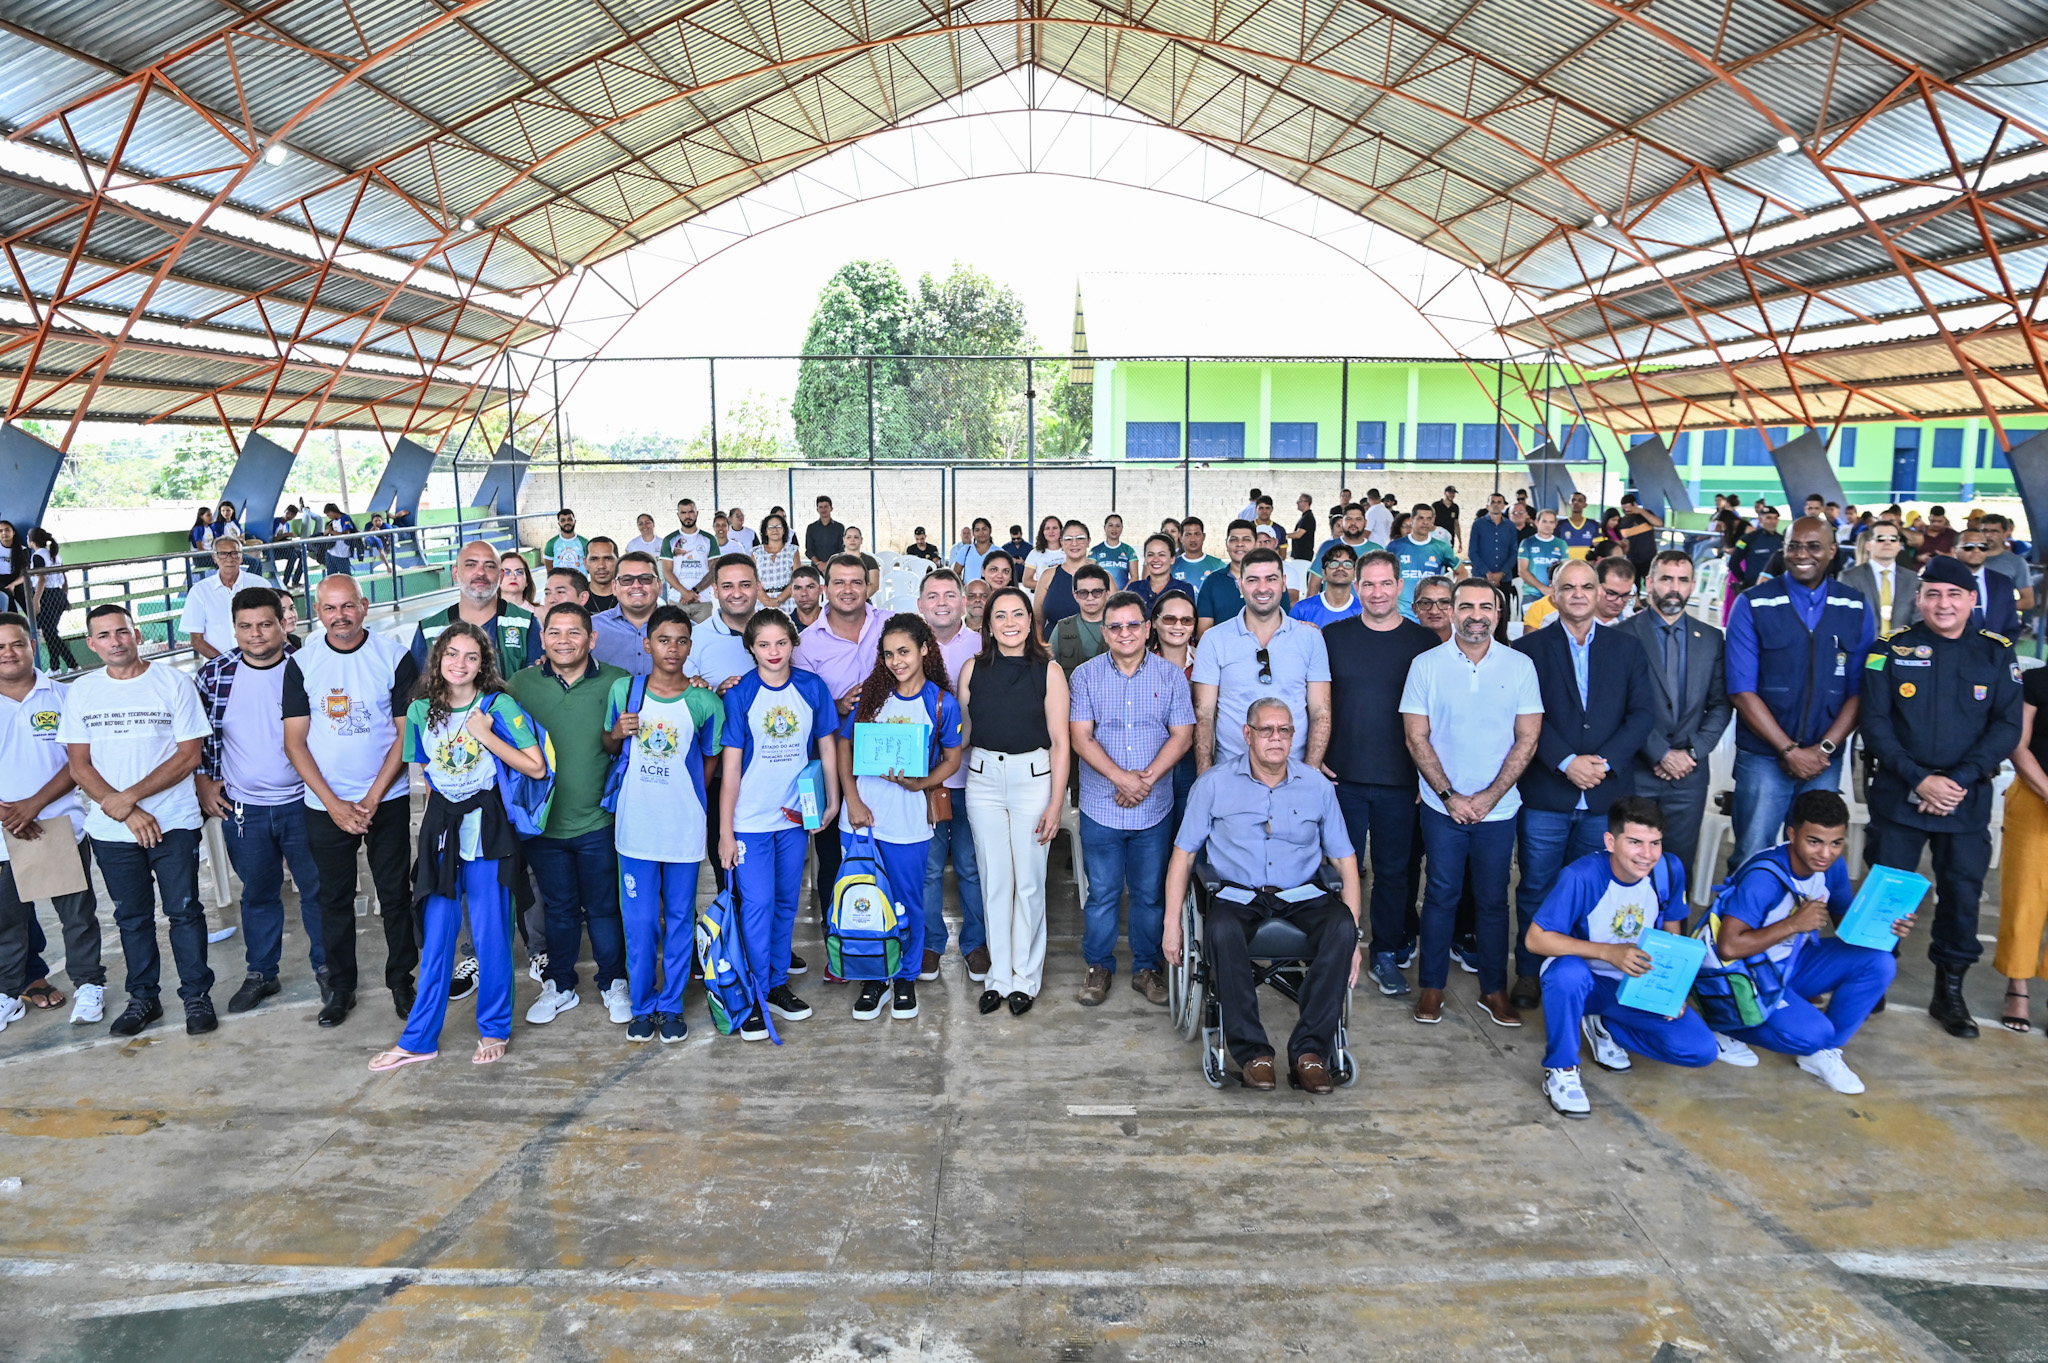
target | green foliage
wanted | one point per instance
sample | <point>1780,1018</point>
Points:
<point>1066,425</point>
<point>862,310</point>
<point>198,467</point>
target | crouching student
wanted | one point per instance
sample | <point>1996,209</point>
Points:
<point>1771,915</point>
<point>1588,927</point>
<point>907,686</point>
<point>778,717</point>
<point>665,733</point>
<point>460,728</point>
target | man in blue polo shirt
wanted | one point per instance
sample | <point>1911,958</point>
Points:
<point>1421,554</point>
<point>1261,652</point>
<point>1589,927</point>
<point>1221,596</point>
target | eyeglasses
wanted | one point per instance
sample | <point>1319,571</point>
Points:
<point>1274,730</point>
<point>1265,657</point>
<point>1177,621</point>
<point>1089,593</point>
<point>1974,548</point>
<point>635,579</point>
<point>1125,626</point>
<point>1432,603</point>
<point>1073,539</point>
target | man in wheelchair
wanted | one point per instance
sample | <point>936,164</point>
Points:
<point>1264,823</point>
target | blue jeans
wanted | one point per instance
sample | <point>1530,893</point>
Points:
<point>490,931</point>
<point>1488,849</point>
<point>1855,978</point>
<point>1763,797</point>
<point>1117,857</point>
<point>261,839</point>
<point>579,879</point>
<point>134,876</point>
<point>1571,990</point>
<point>1549,842</point>
<point>1386,815</point>
<point>956,839</point>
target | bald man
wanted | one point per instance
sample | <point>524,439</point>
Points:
<point>513,630</point>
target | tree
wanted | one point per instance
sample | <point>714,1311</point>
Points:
<point>862,310</point>
<point>966,406</point>
<point>198,468</point>
<point>1068,424</point>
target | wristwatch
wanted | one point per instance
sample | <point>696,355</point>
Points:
<point>1828,747</point>
<point>1363,935</point>
<point>1446,793</point>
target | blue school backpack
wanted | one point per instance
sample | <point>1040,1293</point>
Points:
<point>615,778</point>
<point>866,930</point>
<point>1736,994</point>
<point>526,798</point>
<point>729,987</point>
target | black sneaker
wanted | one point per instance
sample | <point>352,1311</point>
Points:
<point>255,989</point>
<point>140,1013</point>
<point>755,1028</point>
<point>464,982</point>
<point>904,1007</point>
<point>199,1017</point>
<point>798,965</point>
<point>673,1028</point>
<point>869,1005</point>
<point>641,1028</point>
<point>784,1003</point>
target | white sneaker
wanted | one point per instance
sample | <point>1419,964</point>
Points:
<point>618,1002</point>
<point>551,1004</point>
<point>11,1010</point>
<point>88,1004</point>
<point>1729,1051</point>
<point>1607,1052</point>
<point>1827,1066</point>
<point>1565,1093</point>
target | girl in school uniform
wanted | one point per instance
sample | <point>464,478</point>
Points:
<point>778,719</point>
<point>461,728</point>
<point>659,823</point>
<point>908,686</point>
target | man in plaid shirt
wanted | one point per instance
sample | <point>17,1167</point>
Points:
<point>247,782</point>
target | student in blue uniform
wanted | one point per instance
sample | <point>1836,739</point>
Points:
<point>1588,928</point>
<point>460,728</point>
<point>778,718</point>
<point>1771,915</point>
<point>908,686</point>
<point>659,826</point>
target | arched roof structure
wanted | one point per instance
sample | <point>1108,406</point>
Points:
<point>308,212</point>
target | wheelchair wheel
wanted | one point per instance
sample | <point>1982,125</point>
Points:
<point>1347,1070</point>
<point>1194,995</point>
<point>1213,1068</point>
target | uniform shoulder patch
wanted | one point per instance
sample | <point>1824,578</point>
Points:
<point>1999,639</point>
<point>1886,634</point>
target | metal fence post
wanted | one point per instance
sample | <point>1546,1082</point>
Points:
<point>1030,447</point>
<point>1343,419</point>
<point>873,528</point>
<point>1187,436</point>
<point>715,503</point>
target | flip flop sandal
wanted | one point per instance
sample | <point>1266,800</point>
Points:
<point>43,994</point>
<point>386,1061</point>
<point>489,1043</point>
<point>2018,1024</point>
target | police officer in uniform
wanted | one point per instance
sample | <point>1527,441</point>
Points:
<point>1940,713</point>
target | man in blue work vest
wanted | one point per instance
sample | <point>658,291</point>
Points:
<point>1795,656</point>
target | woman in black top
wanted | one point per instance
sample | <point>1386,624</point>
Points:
<point>1014,698</point>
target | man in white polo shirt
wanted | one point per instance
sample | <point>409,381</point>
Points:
<point>209,618</point>
<point>719,657</point>
<point>37,797</point>
<point>345,695</point>
<point>133,730</point>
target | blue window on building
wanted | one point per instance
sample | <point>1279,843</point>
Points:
<point>1489,443</point>
<point>1436,441</point>
<point>1151,440</point>
<point>1948,447</point>
<point>1750,448</point>
<point>1845,448</point>
<point>1681,449</point>
<point>1294,440</point>
<point>1372,444</point>
<point>1216,439</point>
<point>1714,447</point>
<point>1578,445</point>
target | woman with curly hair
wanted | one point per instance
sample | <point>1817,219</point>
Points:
<point>463,730</point>
<point>907,686</point>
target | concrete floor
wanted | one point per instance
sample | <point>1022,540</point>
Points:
<point>1062,1186</point>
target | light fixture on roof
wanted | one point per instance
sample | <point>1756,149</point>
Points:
<point>1600,220</point>
<point>276,153</point>
<point>469,224</point>
<point>1788,146</point>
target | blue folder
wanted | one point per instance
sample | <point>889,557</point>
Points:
<point>1887,894</point>
<point>1674,961</point>
<point>879,749</point>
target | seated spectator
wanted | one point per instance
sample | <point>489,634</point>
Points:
<point>1588,927</point>
<point>1265,821</point>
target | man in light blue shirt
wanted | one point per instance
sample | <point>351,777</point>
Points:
<point>1421,554</point>
<point>620,634</point>
<point>1261,652</point>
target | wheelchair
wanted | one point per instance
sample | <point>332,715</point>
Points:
<point>1279,954</point>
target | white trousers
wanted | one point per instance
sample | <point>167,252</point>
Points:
<point>1006,792</point>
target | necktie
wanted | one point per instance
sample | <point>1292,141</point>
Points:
<point>1884,595</point>
<point>1673,676</point>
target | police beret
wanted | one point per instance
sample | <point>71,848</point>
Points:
<point>1948,572</point>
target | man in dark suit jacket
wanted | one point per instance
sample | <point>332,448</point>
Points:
<point>1998,607</point>
<point>1585,756</point>
<point>1689,682</point>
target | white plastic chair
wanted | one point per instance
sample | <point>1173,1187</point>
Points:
<point>1714,825</point>
<point>1070,820</point>
<point>2006,776</point>
<point>213,851</point>
<point>886,559</point>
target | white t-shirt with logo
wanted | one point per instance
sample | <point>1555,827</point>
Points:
<point>776,729</point>
<point>566,551</point>
<point>253,763</point>
<point>689,556</point>
<point>661,799</point>
<point>30,753</point>
<point>134,727</point>
<point>352,703</point>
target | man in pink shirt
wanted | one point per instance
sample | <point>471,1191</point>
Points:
<point>943,604</point>
<point>842,646</point>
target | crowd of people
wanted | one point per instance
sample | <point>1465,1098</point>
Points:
<point>1426,706</point>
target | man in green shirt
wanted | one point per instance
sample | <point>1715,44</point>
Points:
<point>566,694</point>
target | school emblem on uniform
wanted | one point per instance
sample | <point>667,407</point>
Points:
<point>1982,691</point>
<point>458,753</point>
<point>1628,923</point>
<point>779,722</point>
<point>344,714</point>
<point>1907,690</point>
<point>43,722</point>
<point>658,740</point>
